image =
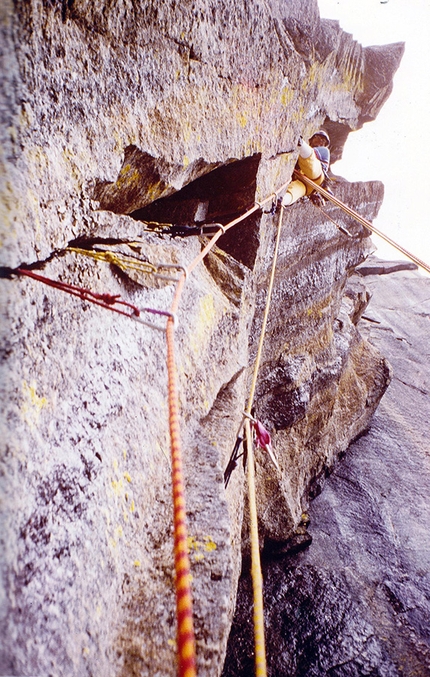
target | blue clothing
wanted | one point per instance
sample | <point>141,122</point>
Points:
<point>323,155</point>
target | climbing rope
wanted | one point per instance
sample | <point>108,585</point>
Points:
<point>360,219</point>
<point>184,612</point>
<point>257,579</point>
<point>184,606</point>
<point>256,575</point>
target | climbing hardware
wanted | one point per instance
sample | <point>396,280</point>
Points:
<point>260,436</point>
<point>128,263</point>
<point>253,430</point>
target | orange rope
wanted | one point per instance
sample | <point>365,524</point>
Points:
<point>184,607</point>
<point>361,219</point>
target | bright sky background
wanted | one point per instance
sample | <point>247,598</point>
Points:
<point>389,148</point>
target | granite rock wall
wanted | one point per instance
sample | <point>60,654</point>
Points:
<point>115,115</point>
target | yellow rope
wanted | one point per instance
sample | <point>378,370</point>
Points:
<point>256,575</point>
<point>257,579</point>
<point>361,220</point>
<point>123,261</point>
<point>266,315</point>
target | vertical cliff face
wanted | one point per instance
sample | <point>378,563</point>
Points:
<point>357,601</point>
<point>114,116</point>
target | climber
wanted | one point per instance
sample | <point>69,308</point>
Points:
<point>314,160</point>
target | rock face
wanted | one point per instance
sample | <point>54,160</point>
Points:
<point>357,602</point>
<point>115,115</point>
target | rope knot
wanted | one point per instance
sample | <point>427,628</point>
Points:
<point>109,299</point>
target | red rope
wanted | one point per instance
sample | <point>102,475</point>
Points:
<point>104,300</point>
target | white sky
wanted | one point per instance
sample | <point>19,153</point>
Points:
<point>389,148</point>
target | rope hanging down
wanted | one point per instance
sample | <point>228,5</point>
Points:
<point>184,606</point>
<point>257,579</point>
<point>360,219</point>
<point>184,612</point>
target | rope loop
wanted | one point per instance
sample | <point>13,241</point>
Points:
<point>122,261</point>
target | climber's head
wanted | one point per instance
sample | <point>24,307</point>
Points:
<point>320,138</point>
